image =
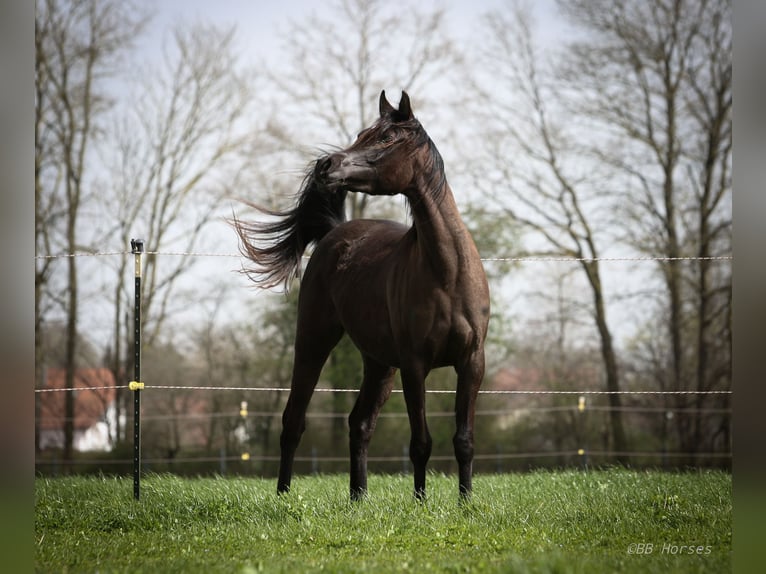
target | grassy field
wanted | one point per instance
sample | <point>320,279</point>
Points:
<point>568,521</point>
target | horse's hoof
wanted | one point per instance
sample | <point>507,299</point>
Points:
<point>358,494</point>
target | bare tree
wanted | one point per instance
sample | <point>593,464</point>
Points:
<point>45,203</point>
<point>657,75</point>
<point>543,190</point>
<point>179,149</point>
<point>192,121</point>
<point>340,59</point>
<point>185,132</point>
<point>77,43</point>
<point>709,101</point>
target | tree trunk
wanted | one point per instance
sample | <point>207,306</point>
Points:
<point>70,364</point>
<point>116,366</point>
<point>702,328</point>
<point>611,370</point>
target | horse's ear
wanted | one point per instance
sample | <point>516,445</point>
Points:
<point>384,107</point>
<point>405,109</point>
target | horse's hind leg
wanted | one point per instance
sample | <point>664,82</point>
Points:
<point>313,344</point>
<point>376,388</point>
<point>469,378</point>
<point>413,383</point>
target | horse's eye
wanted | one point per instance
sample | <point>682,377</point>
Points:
<point>387,139</point>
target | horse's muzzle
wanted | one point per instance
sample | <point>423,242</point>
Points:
<point>342,170</point>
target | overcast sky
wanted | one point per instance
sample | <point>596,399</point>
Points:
<point>261,24</point>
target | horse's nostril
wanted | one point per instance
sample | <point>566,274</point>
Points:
<point>323,166</point>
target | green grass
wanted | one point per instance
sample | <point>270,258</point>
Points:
<point>565,521</point>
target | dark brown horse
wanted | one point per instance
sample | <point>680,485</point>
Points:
<point>410,298</point>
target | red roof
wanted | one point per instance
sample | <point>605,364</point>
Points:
<point>516,379</point>
<point>89,405</point>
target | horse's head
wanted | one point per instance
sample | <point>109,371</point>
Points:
<point>385,158</point>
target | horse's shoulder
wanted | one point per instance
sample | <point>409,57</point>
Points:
<point>360,242</point>
<point>375,231</point>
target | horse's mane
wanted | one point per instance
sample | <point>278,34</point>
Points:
<point>436,178</point>
<point>276,247</point>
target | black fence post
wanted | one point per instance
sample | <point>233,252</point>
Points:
<point>137,247</point>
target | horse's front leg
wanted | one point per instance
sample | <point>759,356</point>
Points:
<point>376,388</point>
<point>469,378</point>
<point>294,422</point>
<point>413,383</point>
<point>312,347</point>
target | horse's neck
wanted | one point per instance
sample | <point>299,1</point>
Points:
<point>442,237</point>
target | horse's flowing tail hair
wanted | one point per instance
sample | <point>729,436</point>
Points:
<point>276,247</point>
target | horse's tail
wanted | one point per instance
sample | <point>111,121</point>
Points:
<point>276,247</point>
